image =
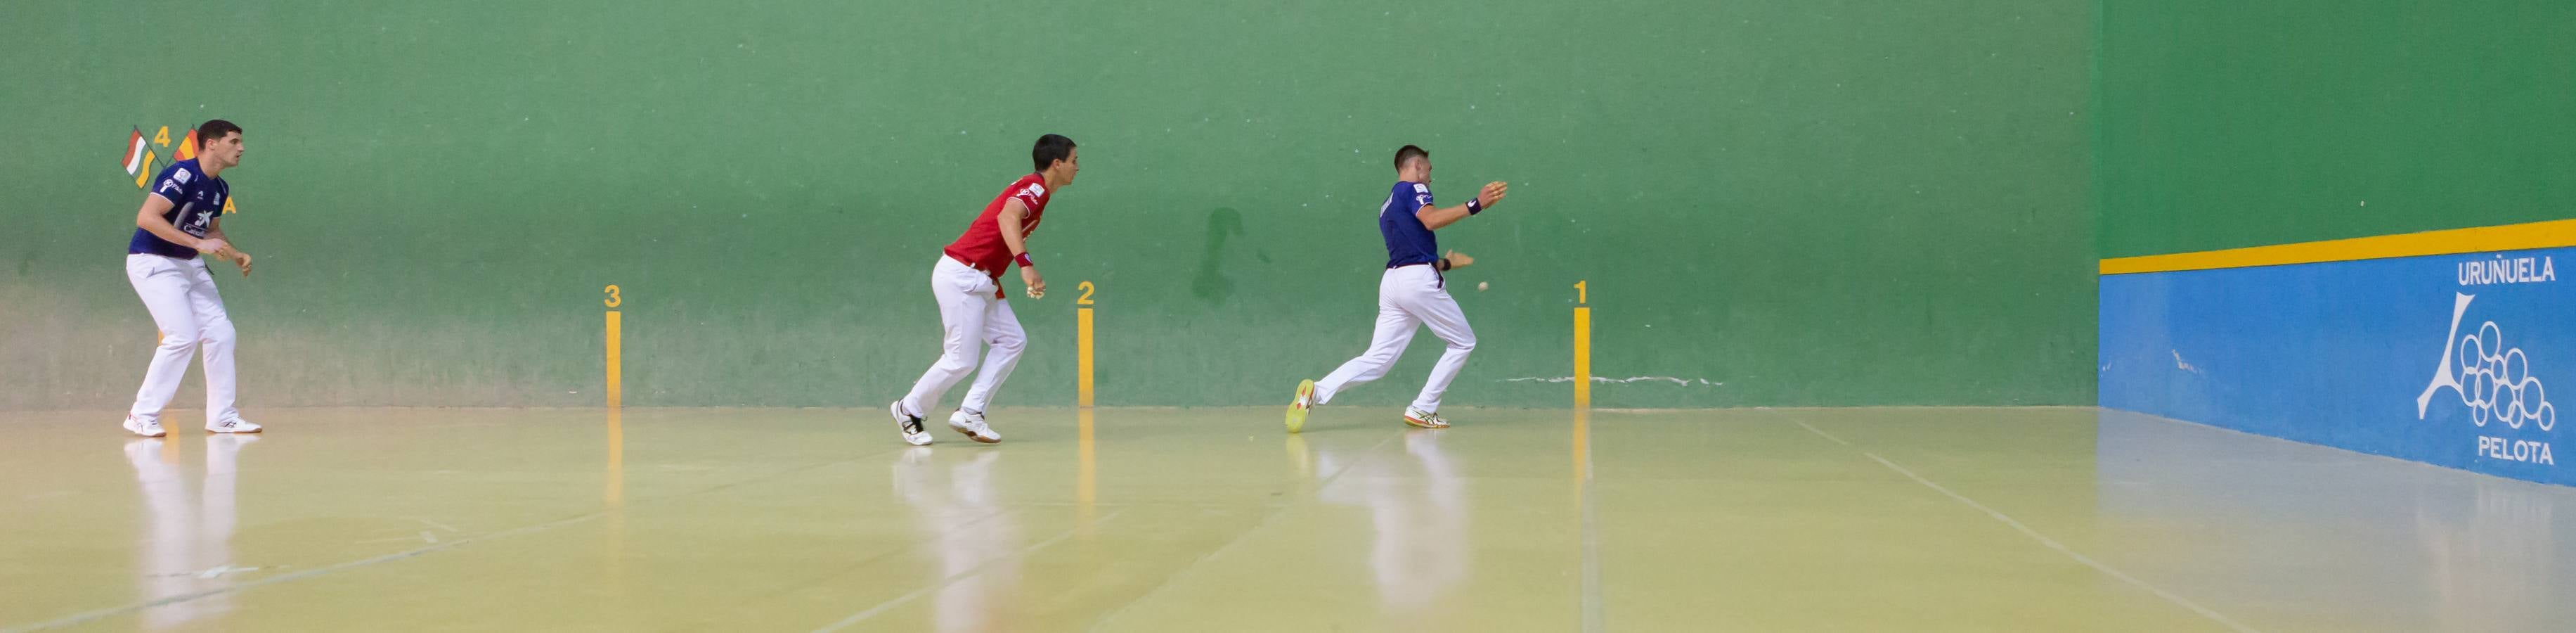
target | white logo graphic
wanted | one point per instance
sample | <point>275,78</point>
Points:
<point>2494,381</point>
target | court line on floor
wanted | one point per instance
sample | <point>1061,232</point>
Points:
<point>1275,513</point>
<point>2043,538</point>
<point>979,569</point>
<point>84,617</point>
<point>87,616</point>
<point>1820,432</point>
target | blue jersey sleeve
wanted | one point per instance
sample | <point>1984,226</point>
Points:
<point>185,188</point>
<point>1421,196</point>
<point>176,183</point>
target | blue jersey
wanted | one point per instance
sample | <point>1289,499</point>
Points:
<point>194,201</point>
<point>1408,242</point>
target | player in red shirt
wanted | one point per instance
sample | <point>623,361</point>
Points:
<point>972,309</point>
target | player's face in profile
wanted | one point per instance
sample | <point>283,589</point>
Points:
<point>226,150</point>
<point>1072,164</point>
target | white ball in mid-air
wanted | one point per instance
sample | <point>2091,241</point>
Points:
<point>1482,285</point>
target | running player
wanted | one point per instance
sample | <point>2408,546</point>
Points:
<point>1413,292</point>
<point>967,282</point>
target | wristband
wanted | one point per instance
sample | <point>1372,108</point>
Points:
<point>1474,206</point>
<point>1023,259</point>
<point>1441,264</point>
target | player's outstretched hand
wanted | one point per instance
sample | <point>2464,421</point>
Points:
<point>240,258</point>
<point>1459,260</point>
<point>1037,284</point>
<point>1492,193</point>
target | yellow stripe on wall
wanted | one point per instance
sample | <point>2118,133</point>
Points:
<point>2510,237</point>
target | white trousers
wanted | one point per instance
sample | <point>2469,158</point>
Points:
<point>1408,297</point>
<point>181,295</point>
<point>969,317</point>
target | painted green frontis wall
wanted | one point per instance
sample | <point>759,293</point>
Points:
<point>1776,202</point>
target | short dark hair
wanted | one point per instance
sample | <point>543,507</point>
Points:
<point>1409,153</point>
<point>214,129</point>
<point>1050,148</point>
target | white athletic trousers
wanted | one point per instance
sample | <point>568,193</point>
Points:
<point>969,316</point>
<point>1407,297</point>
<point>181,295</point>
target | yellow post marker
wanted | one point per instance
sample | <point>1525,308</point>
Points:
<point>615,493</point>
<point>1086,473</point>
<point>615,395</point>
<point>1082,355</point>
<point>1582,346</point>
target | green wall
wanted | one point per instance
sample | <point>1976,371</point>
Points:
<point>1840,203</point>
<point>2231,124</point>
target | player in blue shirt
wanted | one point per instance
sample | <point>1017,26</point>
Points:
<point>1413,292</point>
<point>180,220</point>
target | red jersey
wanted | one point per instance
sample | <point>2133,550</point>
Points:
<point>981,247</point>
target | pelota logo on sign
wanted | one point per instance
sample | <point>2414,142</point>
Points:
<point>2494,381</point>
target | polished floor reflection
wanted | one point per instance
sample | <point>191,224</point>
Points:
<point>1210,519</point>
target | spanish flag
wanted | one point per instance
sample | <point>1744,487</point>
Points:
<point>187,148</point>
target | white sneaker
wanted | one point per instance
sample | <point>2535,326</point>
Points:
<point>909,425</point>
<point>972,424</point>
<point>235,425</point>
<point>1424,419</point>
<point>147,427</point>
